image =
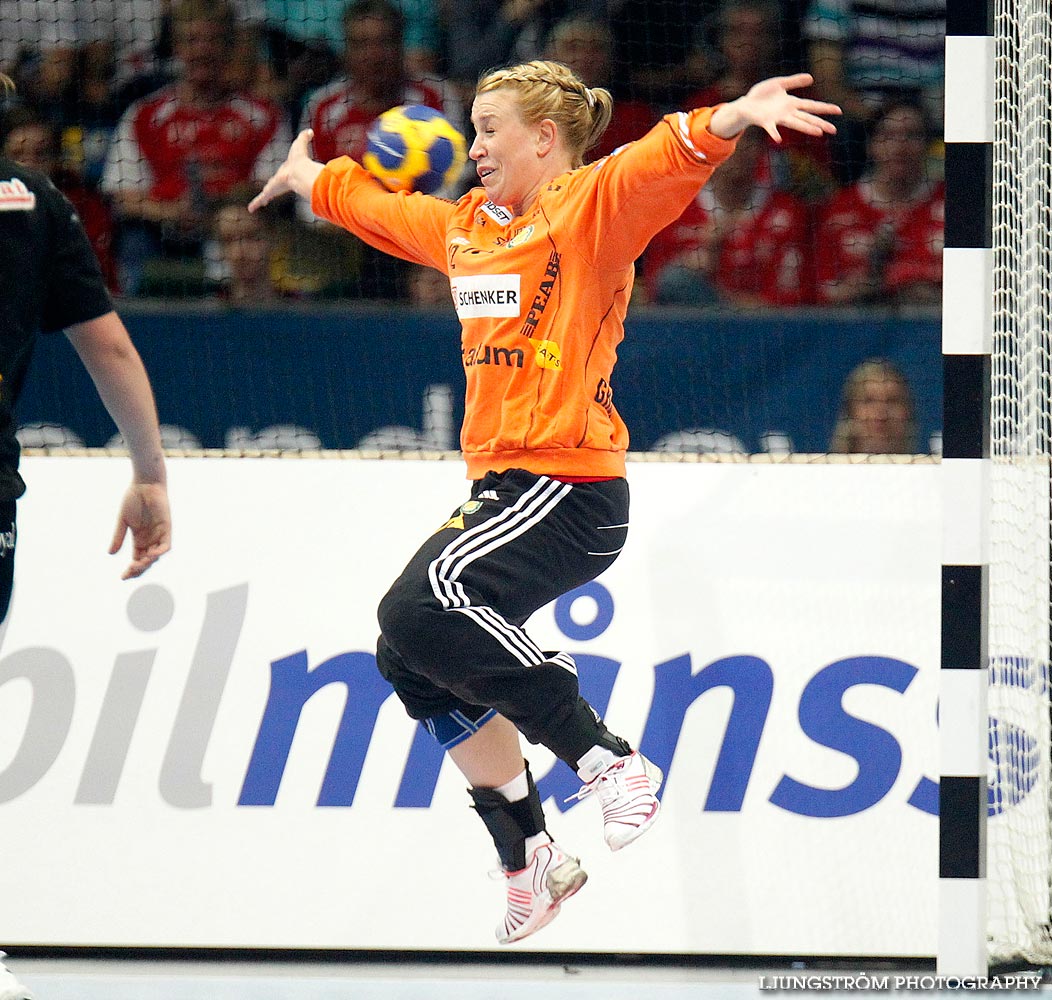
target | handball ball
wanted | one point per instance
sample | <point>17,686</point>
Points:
<point>414,148</point>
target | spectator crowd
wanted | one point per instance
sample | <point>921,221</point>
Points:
<point>160,118</point>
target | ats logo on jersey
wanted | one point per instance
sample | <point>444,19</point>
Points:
<point>548,354</point>
<point>483,295</point>
<point>16,197</point>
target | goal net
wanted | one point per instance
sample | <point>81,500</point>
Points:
<point>1020,825</point>
<point>754,315</point>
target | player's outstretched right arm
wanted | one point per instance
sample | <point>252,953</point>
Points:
<point>297,174</point>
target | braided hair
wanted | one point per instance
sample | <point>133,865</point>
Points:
<point>552,90</point>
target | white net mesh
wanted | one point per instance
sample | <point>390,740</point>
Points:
<point>1020,828</point>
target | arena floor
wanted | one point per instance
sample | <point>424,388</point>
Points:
<point>107,980</point>
<point>126,979</point>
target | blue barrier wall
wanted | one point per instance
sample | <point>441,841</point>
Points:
<point>343,372</point>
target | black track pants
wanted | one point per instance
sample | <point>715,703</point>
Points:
<point>451,625</point>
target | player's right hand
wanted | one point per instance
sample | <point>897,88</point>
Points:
<point>295,174</point>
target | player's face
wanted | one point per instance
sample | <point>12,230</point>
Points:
<point>505,149</point>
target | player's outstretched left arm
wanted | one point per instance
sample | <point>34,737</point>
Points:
<point>298,173</point>
<point>771,105</point>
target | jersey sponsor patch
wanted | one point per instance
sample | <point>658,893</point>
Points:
<point>16,197</point>
<point>547,354</point>
<point>482,295</point>
<point>497,214</point>
<point>520,237</point>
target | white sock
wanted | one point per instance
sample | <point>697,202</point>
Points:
<point>537,840</point>
<point>516,789</point>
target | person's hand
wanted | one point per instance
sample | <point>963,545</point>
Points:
<point>297,173</point>
<point>770,105</point>
<point>145,512</point>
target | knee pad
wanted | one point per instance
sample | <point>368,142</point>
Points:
<point>456,726</point>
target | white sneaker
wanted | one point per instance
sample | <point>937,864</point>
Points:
<point>11,988</point>
<point>537,891</point>
<point>627,791</point>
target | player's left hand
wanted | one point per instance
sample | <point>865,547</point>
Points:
<point>771,105</point>
<point>144,511</point>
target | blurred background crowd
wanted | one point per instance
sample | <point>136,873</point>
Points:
<point>160,118</point>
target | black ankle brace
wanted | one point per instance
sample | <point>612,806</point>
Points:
<point>608,741</point>
<point>510,823</point>
<point>586,730</point>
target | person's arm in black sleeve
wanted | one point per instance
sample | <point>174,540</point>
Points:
<point>76,290</point>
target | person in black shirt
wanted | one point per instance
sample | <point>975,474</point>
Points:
<point>50,280</point>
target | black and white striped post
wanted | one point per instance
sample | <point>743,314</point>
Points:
<point>967,337</point>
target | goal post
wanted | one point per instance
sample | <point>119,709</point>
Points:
<point>995,732</point>
<point>967,341</point>
<point>1019,849</point>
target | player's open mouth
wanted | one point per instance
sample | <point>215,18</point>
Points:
<point>485,172</point>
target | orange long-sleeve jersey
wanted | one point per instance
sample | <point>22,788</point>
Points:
<point>541,297</point>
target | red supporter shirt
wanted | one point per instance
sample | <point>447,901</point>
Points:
<point>97,220</point>
<point>164,145</point>
<point>766,255</point>
<point>340,123</point>
<point>849,224</point>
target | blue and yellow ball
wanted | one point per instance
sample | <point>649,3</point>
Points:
<point>414,148</point>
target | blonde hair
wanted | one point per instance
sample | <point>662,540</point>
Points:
<point>845,433</point>
<point>548,89</point>
<point>7,85</point>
